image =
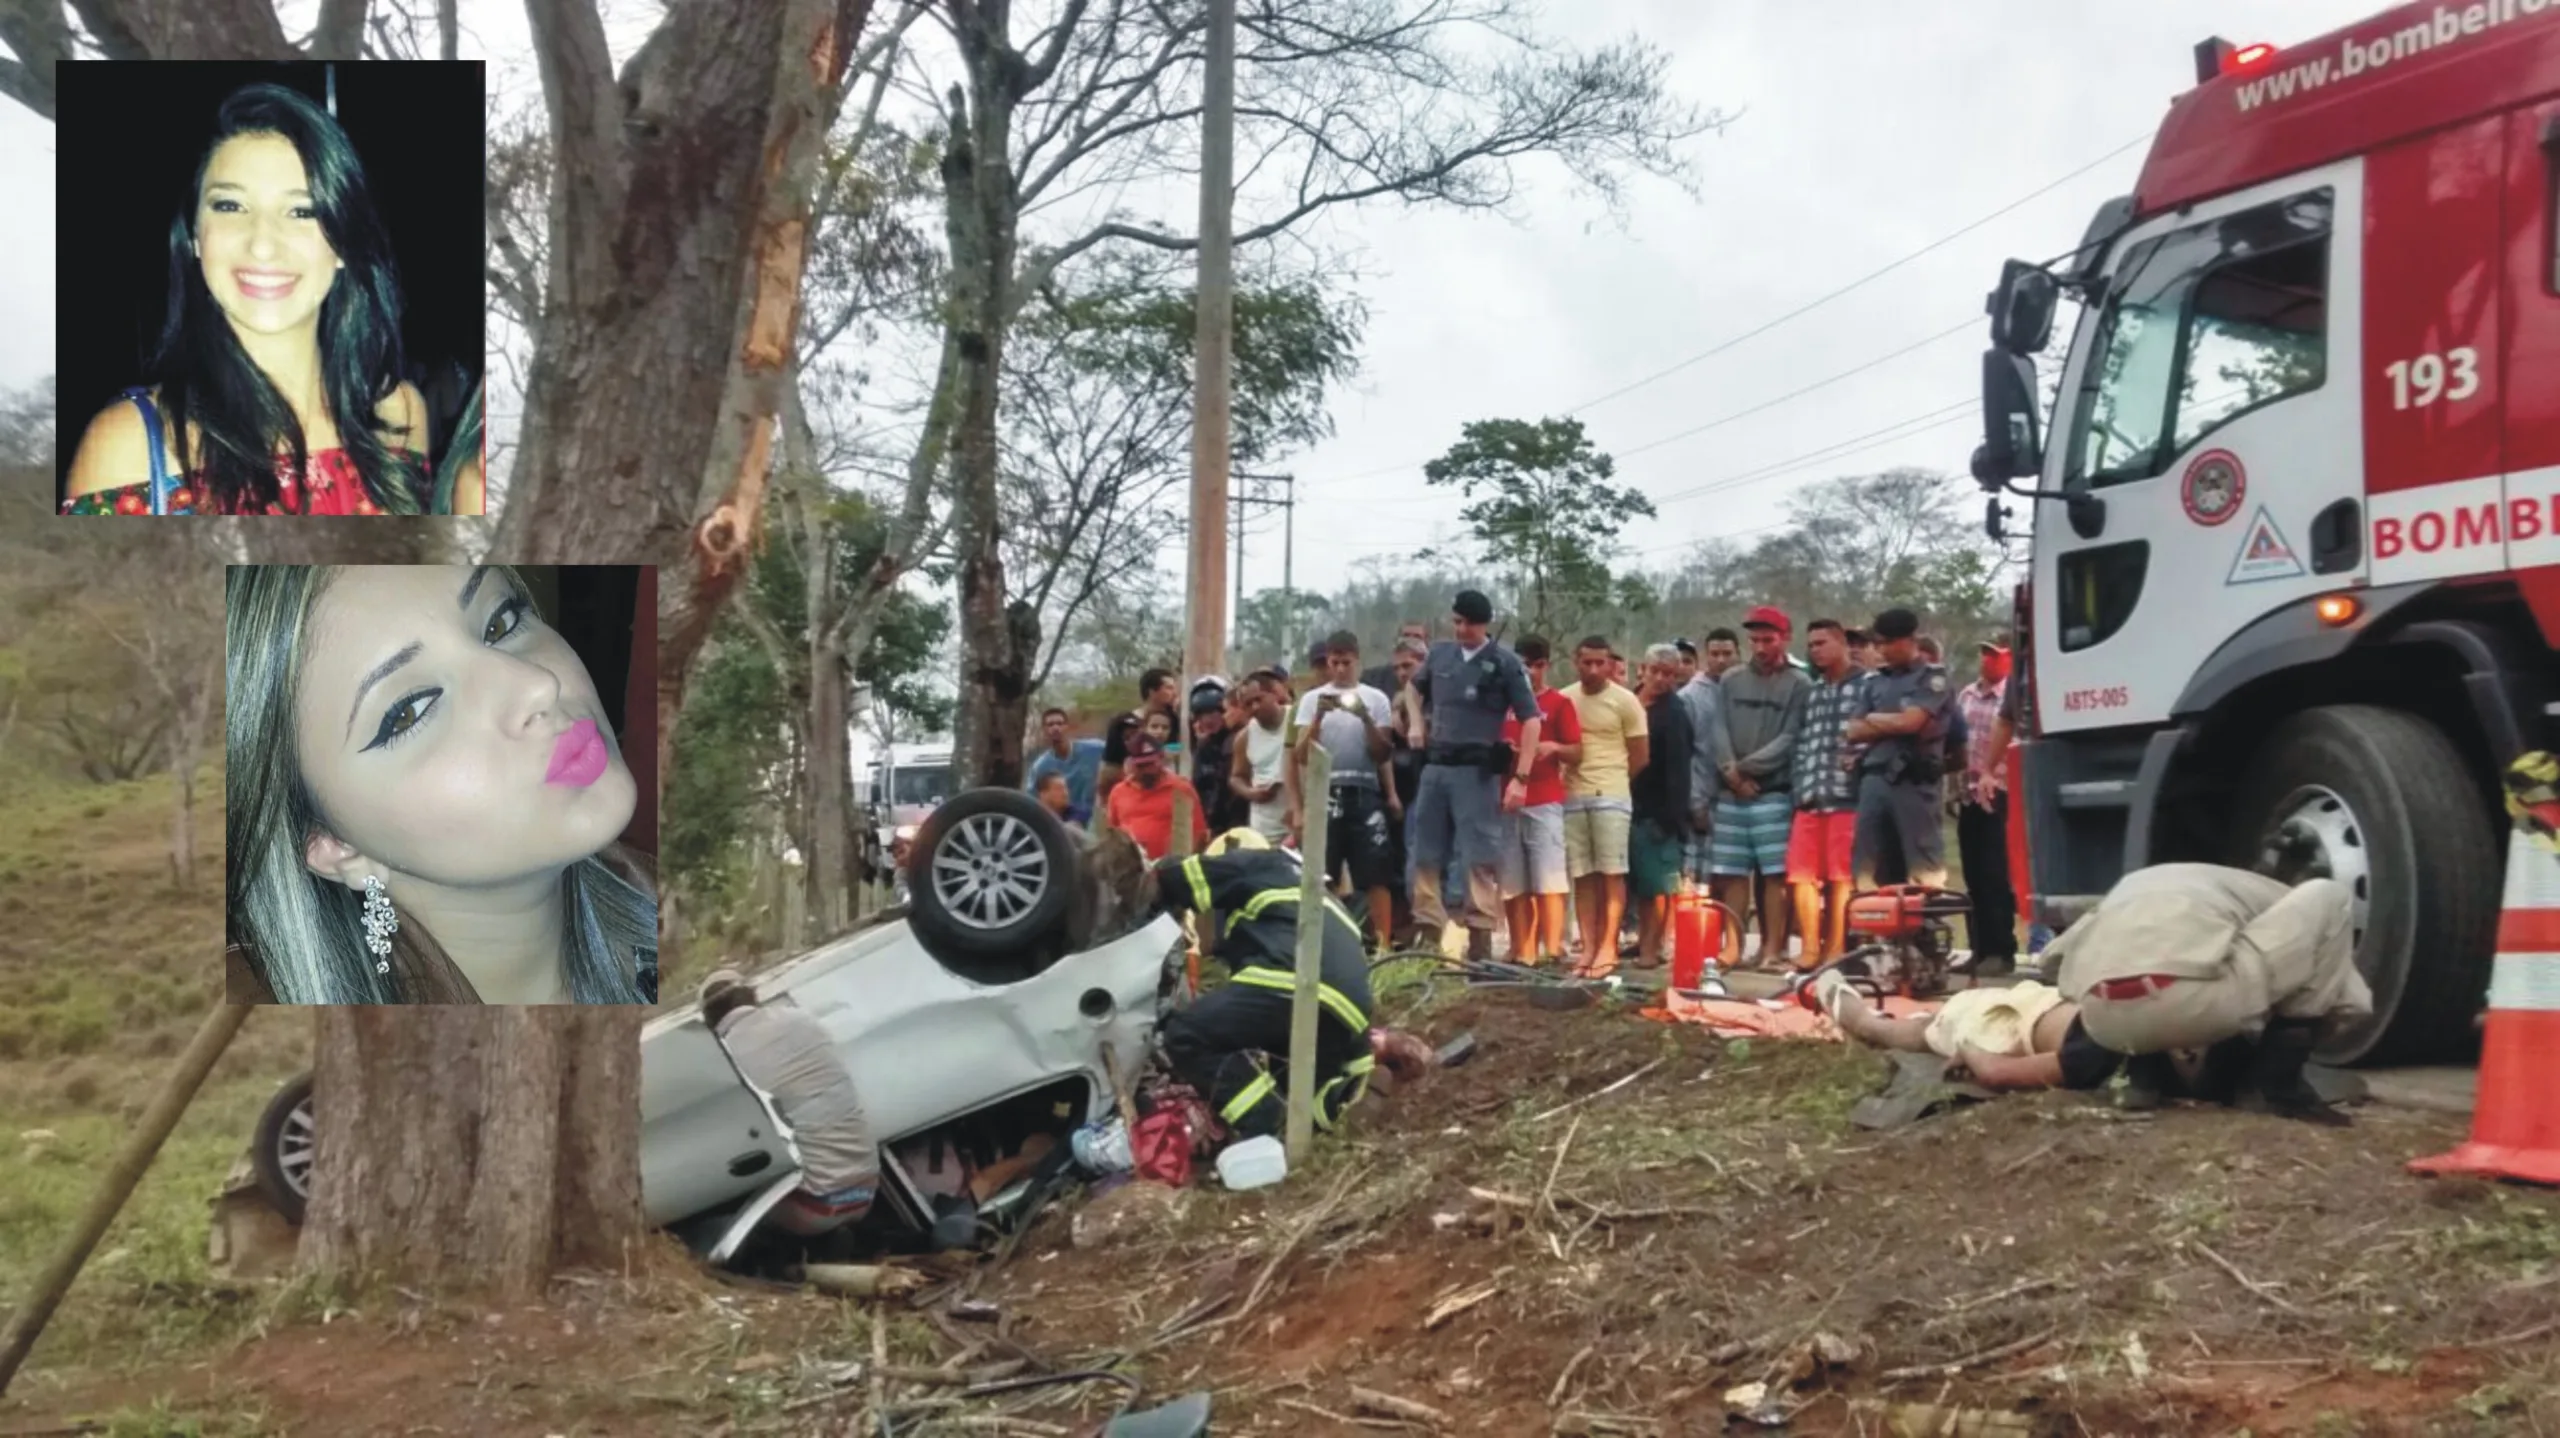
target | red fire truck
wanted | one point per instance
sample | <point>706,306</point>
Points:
<point>2295,595</point>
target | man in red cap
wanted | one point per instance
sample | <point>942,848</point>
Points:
<point>1143,806</point>
<point>1760,713</point>
<point>1982,819</point>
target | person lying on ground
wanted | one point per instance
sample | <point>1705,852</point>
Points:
<point>2019,1037</point>
<point>2178,958</point>
<point>786,1058</point>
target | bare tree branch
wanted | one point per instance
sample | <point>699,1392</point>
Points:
<point>341,32</point>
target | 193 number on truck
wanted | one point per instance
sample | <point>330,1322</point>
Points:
<point>2420,382</point>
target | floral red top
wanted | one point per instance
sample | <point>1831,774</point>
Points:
<point>335,488</point>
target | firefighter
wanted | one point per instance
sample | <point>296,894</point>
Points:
<point>2191,956</point>
<point>1233,1044</point>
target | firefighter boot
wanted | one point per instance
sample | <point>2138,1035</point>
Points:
<point>2149,1079</point>
<point>2275,1084</point>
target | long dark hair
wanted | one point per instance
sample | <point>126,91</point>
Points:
<point>206,377</point>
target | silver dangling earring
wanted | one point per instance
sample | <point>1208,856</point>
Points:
<point>380,923</point>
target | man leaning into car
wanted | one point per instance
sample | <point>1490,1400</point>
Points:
<point>1232,1045</point>
<point>784,1055</point>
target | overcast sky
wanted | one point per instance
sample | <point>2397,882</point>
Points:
<point>1866,129</point>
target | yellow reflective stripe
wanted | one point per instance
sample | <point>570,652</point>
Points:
<point>1326,994</point>
<point>1252,908</point>
<point>1354,1073</point>
<point>1243,1103</point>
<point>1199,878</point>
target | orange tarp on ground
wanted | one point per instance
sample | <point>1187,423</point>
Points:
<point>1766,1018</point>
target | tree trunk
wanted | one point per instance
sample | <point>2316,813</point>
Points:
<point>679,233</point>
<point>472,1147</point>
<point>978,197</point>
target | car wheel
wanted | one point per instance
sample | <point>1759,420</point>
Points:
<point>281,1157</point>
<point>2380,800</point>
<point>994,890</point>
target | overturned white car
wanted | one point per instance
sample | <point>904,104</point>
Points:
<point>970,1023</point>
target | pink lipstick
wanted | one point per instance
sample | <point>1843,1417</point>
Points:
<point>579,758</point>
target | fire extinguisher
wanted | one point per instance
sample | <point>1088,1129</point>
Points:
<point>1698,928</point>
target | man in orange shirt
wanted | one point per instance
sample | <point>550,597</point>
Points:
<point>1142,807</point>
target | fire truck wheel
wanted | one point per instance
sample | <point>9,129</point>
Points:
<point>2380,800</point>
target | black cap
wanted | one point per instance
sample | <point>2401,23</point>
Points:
<point>1472,606</point>
<point>1897,624</point>
<point>1685,647</point>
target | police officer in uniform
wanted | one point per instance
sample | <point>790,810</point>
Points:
<point>1909,704</point>
<point>1233,1045</point>
<point>1470,777</point>
<point>2187,957</point>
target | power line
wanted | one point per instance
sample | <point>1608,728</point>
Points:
<point>1811,305</point>
<point>1959,327</point>
<point>1800,311</point>
<point>1938,418</point>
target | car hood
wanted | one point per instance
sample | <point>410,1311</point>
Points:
<point>924,1046</point>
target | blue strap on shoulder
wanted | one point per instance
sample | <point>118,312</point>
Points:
<point>160,485</point>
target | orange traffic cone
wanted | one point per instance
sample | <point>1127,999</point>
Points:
<point>2515,1127</point>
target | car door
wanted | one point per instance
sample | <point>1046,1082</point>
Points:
<point>2212,408</point>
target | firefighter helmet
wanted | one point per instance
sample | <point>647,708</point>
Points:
<point>1232,840</point>
<point>2533,797</point>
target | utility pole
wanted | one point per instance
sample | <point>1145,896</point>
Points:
<point>1255,492</point>
<point>1212,352</point>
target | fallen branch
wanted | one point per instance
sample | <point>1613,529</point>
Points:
<point>1546,1196</point>
<point>1579,1424</point>
<point>2521,1335</point>
<point>1972,1360</point>
<point>1346,1419</point>
<point>1456,1304</point>
<point>2244,1280</point>
<point>1555,1396</point>
<point>2016,1164</point>
<point>1602,1092</point>
<point>1371,1401</point>
<point>2014,1290</point>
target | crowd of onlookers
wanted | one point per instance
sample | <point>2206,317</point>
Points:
<point>1776,779</point>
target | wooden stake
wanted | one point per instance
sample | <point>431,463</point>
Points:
<point>1302,1015</point>
<point>212,1037</point>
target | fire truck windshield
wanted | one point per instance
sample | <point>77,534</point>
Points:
<point>2200,326</point>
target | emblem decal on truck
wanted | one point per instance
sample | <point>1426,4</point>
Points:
<point>2264,554</point>
<point>2213,487</point>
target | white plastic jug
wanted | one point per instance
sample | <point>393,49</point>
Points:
<point>1254,1163</point>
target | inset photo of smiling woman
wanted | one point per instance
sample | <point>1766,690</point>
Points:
<point>441,784</point>
<point>271,288</point>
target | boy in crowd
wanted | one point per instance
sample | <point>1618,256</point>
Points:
<point>1535,880</point>
<point>1350,719</point>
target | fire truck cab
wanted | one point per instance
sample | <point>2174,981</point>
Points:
<point>2295,591</point>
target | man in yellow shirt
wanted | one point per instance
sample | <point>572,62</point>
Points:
<point>1598,808</point>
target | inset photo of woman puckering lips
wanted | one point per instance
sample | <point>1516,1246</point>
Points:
<point>272,299</point>
<point>441,784</point>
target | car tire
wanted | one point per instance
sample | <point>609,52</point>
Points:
<point>995,888</point>
<point>2391,793</point>
<point>281,1156</point>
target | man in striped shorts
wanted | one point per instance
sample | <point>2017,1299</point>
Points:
<point>1761,712</point>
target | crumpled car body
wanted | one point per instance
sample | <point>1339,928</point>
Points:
<point>925,1046</point>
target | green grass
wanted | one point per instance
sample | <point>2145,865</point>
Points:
<point>110,969</point>
<point>146,1292</point>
